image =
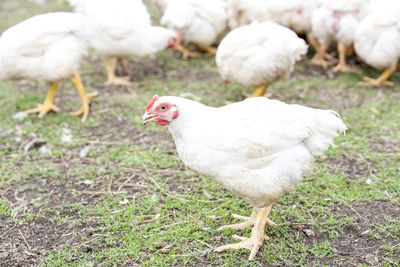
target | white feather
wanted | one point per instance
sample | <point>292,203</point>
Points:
<point>294,14</point>
<point>121,28</point>
<point>337,20</point>
<point>46,47</point>
<point>197,21</point>
<point>259,53</point>
<point>377,40</point>
<point>257,148</point>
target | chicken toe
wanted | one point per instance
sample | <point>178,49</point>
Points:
<point>208,49</point>
<point>381,80</point>
<point>48,105</point>
<point>258,219</point>
<point>186,53</point>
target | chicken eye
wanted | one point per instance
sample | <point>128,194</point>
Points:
<point>163,107</point>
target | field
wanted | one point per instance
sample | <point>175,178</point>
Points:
<point>111,191</point>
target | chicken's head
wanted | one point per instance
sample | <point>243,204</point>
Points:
<point>174,40</point>
<point>160,112</point>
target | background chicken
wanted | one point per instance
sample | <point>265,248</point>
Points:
<point>259,54</point>
<point>47,48</point>
<point>337,20</point>
<point>257,148</point>
<point>293,14</point>
<point>122,28</point>
<point>198,21</point>
<point>377,40</point>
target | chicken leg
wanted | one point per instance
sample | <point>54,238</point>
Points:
<point>381,80</point>
<point>319,58</point>
<point>313,42</point>
<point>259,218</point>
<point>208,49</point>
<point>85,98</point>
<point>48,105</point>
<point>111,77</point>
<point>248,222</point>
<point>342,66</point>
<point>186,53</point>
<point>260,91</point>
<point>123,64</point>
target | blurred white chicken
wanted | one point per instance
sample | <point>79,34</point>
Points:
<point>46,48</point>
<point>118,29</point>
<point>198,21</point>
<point>293,14</point>
<point>257,148</point>
<point>377,40</point>
<point>259,54</point>
<point>337,20</point>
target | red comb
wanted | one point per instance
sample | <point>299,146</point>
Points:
<point>152,101</point>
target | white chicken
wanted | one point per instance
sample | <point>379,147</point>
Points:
<point>47,48</point>
<point>377,41</point>
<point>259,54</point>
<point>257,148</point>
<point>293,14</point>
<point>337,20</point>
<point>118,29</point>
<point>198,21</point>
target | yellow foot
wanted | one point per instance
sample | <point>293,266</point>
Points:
<point>257,221</point>
<point>42,109</point>
<point>254,243</point>
<point>210,50</point>
<point>331,59</point>
<point>48,105</point>
<point>186,53</point>
<point>248,222</point>
<point>316,60</point>
<point>375,82</point>
<point>84,110</point>
<point>114,80</point>
<point>345,68</point>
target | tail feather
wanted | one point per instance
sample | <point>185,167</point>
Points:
<point>329,126</point>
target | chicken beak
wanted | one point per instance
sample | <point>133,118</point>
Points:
<point>148,117</point>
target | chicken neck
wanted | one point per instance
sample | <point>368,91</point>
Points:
<point>48,105</point>
<point>85,98</point>
<point>257,220</point>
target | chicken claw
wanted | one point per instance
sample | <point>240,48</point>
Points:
<point>113,79</point>
<point>207,48</point>
<point>85,98</point>
<point>248,222</point>
<point>258,220</point>
<point>186,53</point>
<point>253,244</point>
<point>48,105</point>
<point>345,68</point>
<point>381,80</point>
<point>42,109</point>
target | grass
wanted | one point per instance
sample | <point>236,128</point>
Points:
<point>130,201</point>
